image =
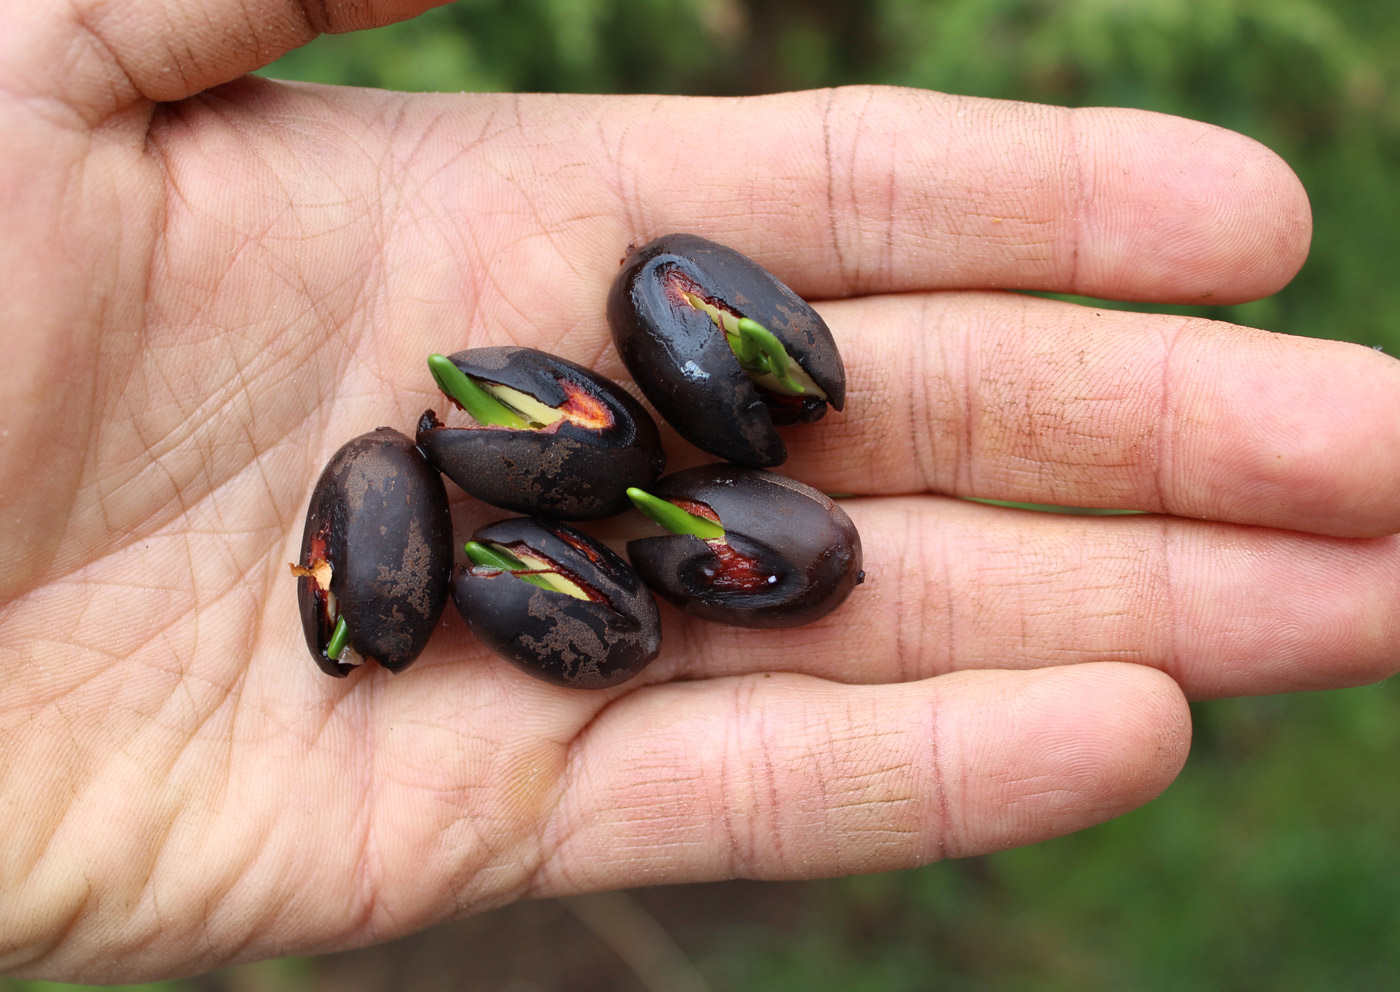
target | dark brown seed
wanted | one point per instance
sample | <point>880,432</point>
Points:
<point>590,643</point>
<point>376,550</point>
<point>578,468</point>
<point>683,362</point>
<point>789,554</point>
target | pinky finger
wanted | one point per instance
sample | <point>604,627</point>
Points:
<point>787,776</point>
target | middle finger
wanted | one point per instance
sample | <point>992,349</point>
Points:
<point>1019,398</point>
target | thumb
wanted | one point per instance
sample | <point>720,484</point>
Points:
<point>117,54</point>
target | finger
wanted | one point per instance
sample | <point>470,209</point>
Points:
<point>992,198</point>
<point>114,54</point>
<point>876,183</point>
<point>790,777</point>
<point>532,258</point>
<point>953,586</point>
<point>865,190</point>
<point>1031,400</point>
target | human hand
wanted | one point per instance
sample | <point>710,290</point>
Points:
<point>208,294</point>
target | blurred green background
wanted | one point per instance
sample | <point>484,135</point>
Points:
<point>1272,863</point>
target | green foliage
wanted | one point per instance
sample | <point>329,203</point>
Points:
<point>565,46</point>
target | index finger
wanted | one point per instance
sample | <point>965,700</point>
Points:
<point>843,192</point>
<point>864,190</point>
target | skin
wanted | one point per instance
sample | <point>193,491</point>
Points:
<point>210,283</point>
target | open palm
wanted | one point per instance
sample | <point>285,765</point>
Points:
<point>207,291</point>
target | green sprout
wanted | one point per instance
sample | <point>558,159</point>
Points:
<point>672,517</point>
<point>483,407</point>
<point>762,354</point>
<point>497,557</point>
<point>494,556</point>
<point>340,637</point>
